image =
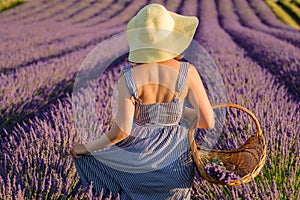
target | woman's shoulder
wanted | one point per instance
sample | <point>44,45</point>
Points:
<point>192,75</point>
<point>192,69</point>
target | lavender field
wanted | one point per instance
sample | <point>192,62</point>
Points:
<point>43,43</point>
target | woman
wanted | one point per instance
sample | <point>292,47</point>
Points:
<point>146,154</point>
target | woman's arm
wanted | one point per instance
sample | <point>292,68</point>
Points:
<point>199,99</point>
<point>114,136</point>
<point>121,128</point>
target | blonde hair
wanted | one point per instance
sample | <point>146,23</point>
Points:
<point>179,57</point>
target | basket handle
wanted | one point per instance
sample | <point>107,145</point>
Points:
<point>258,128</point>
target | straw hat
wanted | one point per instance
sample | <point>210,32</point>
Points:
<point>156,34</point>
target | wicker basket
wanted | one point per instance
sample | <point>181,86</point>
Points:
<point>248,159</point>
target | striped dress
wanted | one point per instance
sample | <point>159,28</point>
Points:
<point>154,162</point>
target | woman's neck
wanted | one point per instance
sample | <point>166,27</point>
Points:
<point>167,61</point>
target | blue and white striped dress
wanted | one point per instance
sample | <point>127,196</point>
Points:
<point>154,162</point>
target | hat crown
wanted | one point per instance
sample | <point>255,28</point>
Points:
<point>154,16</point>
<point>155,23</point>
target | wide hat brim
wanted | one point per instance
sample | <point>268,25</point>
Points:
<point>177,40</point>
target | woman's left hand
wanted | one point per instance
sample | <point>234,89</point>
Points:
<point>78,150</point>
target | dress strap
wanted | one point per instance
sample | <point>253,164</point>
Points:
<point>130,82</point>
<point>181,78</point>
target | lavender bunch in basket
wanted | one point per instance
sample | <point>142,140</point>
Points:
<point>217,170</point>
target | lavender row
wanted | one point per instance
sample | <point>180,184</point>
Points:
<point>29,9</point>
<point>30,89</point>
<point>49,11</point>
<point>249,19</point>
<point>45,38</point>
<point>68,12</point>
<point>39,83</point>
<point>279,57</point>
<point>40,31</point>
<point>110,13</point>
<point>64,12</point>
<point>173,5</point>
<point>267,16</point>
<point>37,31</point>
<point>40,52</point>
<point>58,12</point>
<point>58,45</point>
<point>189,10</point>
<point>95,11</point>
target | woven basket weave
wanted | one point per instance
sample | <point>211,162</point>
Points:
<point>248,159</point>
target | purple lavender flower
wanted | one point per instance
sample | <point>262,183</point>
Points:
<point>217,170</point>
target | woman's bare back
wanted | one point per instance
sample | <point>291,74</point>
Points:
<point>156,82</point>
